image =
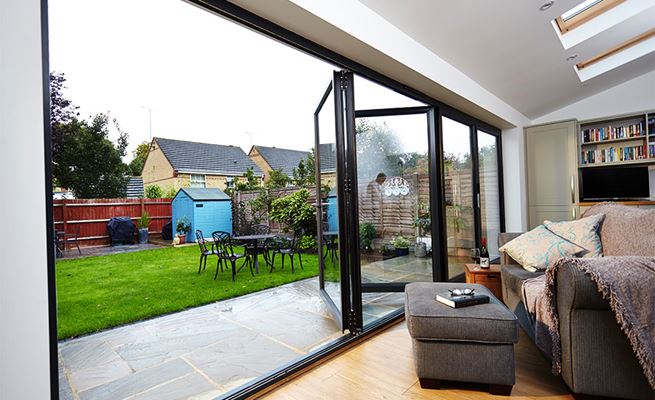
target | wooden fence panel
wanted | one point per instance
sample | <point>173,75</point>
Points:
<point>90,216</point>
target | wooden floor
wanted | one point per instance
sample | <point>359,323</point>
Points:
<point>382,368</point>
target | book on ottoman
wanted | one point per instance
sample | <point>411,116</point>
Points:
<point>462,300</point>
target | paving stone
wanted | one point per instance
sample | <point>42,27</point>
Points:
<point>65,390</point>
<point>94,376</point>
<point>192,385</point>
<point>138,382</point>
<point>241,358</point>
<point>175,337</point>
<point>86,352</point>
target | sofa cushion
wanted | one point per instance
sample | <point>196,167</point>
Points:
<point>427,319</point>
<point>625,230</point>
<point>583,232</point>
<point>540,248</point>
<point>513,276</point>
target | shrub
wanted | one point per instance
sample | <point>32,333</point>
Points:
<point>170,192</point>
<point>400,242</point>
<point>293,211</point>
<point>154,192</point>
<point>307,242</point>
<point>366,235</point>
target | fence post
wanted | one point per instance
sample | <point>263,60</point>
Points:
<point>143,206</point>
<point>64,214</point>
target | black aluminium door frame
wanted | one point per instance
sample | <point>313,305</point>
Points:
<point>475,126</point>
<point>434,171</point>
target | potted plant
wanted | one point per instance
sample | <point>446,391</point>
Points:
<point>183,228</point>
<point>143,224</point>
<point>401,244</point>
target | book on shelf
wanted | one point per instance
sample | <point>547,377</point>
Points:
<point>651,150</point>
<point>614,154</point>
<point>463,300</point>
<point>594,135</point>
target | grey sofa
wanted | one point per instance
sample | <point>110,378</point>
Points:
<point>596,356</point>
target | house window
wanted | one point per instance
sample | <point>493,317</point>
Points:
<point>198,181</point>
<point>229,181</point>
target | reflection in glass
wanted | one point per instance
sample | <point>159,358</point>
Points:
<point>394,212</point>
<point>489,191</point>
<point>458,188</point>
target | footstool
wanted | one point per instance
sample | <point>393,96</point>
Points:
<point>470,344</point>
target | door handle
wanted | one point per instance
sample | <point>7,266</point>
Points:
<point>573,213</point>
<point>572,189</point>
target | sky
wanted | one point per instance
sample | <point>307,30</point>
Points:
<point>200,77</point>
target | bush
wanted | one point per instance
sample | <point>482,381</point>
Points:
<point>307,242</point>
<point>400,242</point>
<point>144,221</point>
<point>366,235</point>
<point>170,192</point>
<point>154,192</point>
<point>294,212</point>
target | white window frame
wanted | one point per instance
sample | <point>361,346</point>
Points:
<point>229,181</point>
<point>197,181</point>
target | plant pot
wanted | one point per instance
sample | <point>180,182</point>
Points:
<point>143,235</point>
<point>181,239</point>
<point>402,252</point>
<point>421,250</point>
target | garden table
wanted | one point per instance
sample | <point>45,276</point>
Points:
<point>254,239</point>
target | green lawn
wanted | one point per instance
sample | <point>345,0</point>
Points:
<point>101,292</point>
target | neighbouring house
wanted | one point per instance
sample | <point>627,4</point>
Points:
<point>134,188</point>
<point>327,159</point>
<point>270,158</point>
<point>179,164</point>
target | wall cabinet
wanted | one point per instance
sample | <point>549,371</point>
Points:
<point>552,172</point>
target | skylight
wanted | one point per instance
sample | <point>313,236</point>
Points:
<point>579,8</point>
<point>584,12</point>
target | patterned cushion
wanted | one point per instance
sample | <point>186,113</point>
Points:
<point>539,249</point>
<point>583,232</point>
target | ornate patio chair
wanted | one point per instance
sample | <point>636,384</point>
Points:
<point>290,247</point>
<point>223,241</point>
<point>206,252</point>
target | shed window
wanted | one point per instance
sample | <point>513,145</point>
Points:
<point>198,181</point>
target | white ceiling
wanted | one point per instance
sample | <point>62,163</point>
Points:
<point>510,47</point>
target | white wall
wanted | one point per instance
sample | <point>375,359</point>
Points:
<point>632,96</point>
<point>24,354</point>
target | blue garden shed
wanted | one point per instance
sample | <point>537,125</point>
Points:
<point>206,209</point>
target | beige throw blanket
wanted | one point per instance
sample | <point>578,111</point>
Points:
<point>629,285</point>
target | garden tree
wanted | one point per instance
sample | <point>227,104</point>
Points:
<point>251,182</point>
<point>140,154</point>
<point>87,162</point>
<point>305,173</point>
<point>277,179</point>
<point>62,110</point>
<point>260,206</point>
<point>294,212</point>
<point>170,192</point>
<point>154,192</point>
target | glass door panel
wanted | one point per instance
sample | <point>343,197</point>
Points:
<point>458,190</point>
<point>489,191</point>
<point>394,198</point>
<point>327,204</point>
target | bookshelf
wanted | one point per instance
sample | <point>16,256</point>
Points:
<point>624,140</point>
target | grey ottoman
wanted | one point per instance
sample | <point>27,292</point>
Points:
<point>470,344</point>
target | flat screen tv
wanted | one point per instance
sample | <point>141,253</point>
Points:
<point>614,183</point>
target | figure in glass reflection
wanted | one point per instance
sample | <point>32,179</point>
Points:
<point>374,195</point>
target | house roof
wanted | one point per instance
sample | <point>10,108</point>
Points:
<point>327,153</point>
<point>285,159</point>
<point>204,194</point>
<point>134,187</point>
<point>206,158</point>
